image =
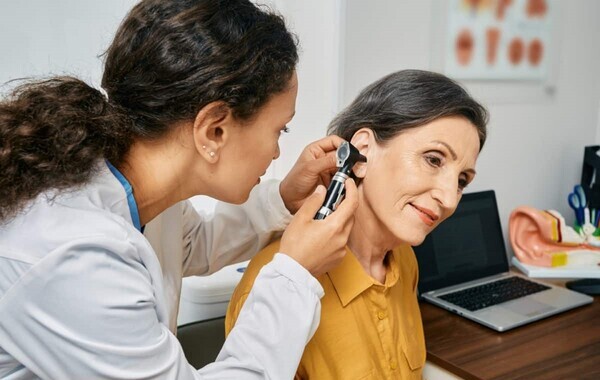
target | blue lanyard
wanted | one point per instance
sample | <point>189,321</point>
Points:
<point>133,209</point>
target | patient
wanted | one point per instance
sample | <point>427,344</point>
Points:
<point>421,134</point>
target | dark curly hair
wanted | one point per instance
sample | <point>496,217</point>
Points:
<point>408,99</point>
<point>168,60</point>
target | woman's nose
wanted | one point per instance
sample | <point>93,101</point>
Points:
<point>446,193</point>
<point>277,152</point>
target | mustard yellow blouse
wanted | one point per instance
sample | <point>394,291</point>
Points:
<point>368,330</point>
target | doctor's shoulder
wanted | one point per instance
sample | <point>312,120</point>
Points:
<point>74,221</point>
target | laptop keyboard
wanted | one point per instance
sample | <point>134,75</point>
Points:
<point>493,293</point>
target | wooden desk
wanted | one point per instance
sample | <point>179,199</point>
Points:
<point>564,346</point>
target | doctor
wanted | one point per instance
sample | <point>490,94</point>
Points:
<point>198,93</point>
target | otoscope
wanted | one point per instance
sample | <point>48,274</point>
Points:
<point>347,155</point>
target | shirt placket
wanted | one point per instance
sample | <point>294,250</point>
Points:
<point>380,313</point>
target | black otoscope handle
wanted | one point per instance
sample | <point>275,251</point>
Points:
<point>335,192</point>
<point>347,155</point>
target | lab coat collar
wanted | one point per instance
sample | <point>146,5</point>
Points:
<point>133,209</point>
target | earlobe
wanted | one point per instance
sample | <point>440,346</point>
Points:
<point>211,130</point>
<point>363,140</point>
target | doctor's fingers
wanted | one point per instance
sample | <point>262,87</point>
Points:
<point>314,244</point>
<point>311,205</point>
<point>325,164</point>
<point>317,166</point>
<point>323,146</point>
<point>324,168</point>
<point>344,213</point>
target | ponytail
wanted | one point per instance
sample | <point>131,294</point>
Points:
<point>52,133</point>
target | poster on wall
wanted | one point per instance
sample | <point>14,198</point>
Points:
<point>498,39</point>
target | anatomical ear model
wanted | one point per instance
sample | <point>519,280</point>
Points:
<point>541,237</point>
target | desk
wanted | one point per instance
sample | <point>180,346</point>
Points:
<point>564,346</point>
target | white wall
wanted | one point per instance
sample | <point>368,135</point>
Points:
<point>40,37</point>
<point>316,23</point>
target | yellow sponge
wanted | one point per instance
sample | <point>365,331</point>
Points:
<point>559,259</point>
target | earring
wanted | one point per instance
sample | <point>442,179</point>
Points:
<point>212,154</point>
<point>203,146</point>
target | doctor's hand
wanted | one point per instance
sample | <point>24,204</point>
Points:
<point>315,166</point>
<point>320,245</point>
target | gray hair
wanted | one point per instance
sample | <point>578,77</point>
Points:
<point>408,99</point>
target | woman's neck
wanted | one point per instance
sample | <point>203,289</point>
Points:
<point>159,173</point>
<point>369,243</point>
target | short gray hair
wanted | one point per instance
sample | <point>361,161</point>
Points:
<point>408,99</point>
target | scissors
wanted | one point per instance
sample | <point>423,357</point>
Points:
<point>578,203</point>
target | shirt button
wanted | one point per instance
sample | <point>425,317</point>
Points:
<point>381,315</point>
<point>393,364</point>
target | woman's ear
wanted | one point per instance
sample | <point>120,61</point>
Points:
<point>211,130</point>
<point>364,141</point>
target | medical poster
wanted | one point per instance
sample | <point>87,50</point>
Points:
<point>498,39</point>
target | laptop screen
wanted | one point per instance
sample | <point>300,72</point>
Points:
<point>465,247</point>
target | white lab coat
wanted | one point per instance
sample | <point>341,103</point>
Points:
<point>83,295</point>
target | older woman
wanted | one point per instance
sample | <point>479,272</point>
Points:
<point>421,133</point>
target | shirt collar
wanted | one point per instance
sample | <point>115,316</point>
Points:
<point>349,279</point>
<point>133,209</point>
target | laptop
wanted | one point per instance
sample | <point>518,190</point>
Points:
<point>463,268</point>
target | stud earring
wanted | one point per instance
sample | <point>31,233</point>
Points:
<point>203,146</point>
<point>212,154</point>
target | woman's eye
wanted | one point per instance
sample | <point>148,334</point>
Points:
<point>285,130</point>
<point>434,161</point>
<point>462,183</point>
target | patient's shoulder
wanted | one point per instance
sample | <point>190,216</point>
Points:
<point>262,258</point>
<point>407,256</point>
<point>407,262</point>
<point>238,298</point>
<point>406,259</point>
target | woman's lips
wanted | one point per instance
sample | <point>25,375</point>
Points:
<point>427,216</point>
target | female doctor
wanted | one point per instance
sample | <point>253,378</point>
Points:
<point>198,92</point>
